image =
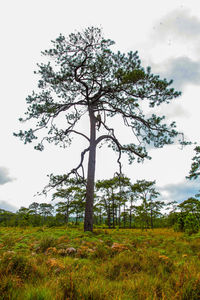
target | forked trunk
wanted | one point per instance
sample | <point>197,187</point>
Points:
<point>88,222</point>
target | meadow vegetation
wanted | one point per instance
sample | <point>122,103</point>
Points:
<point>67,263</point>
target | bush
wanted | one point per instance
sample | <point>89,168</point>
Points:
<point>46,242</point>
<point>188,223</point>
<point>9,286</point>
<point>19,265</point>
<point>40,293</point>
<point>191,224</point>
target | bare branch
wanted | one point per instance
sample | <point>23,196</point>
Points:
<point>61,179</point>
<point>120,147</point>
<point>77,132</point>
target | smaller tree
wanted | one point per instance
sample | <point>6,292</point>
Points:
<point>78,204</point>
<point>123,195</point>
<point>62,211</point>
<point>149,208</point>
<point>99,211</point>
<point>189,216</point>
<point>113,196</point>
<point>46,211</point>
<point>106,188</point>
<point>7,218</point>
<point>131,209</point>
<point>191,205</point>
<point>34,208</point>
<point>35,218</point>
<point>191,224</point>
<point>74,195</point>
<point>64,207</point>
<point>172,216</point>
<point>23,216</point>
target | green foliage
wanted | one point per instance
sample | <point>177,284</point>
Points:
<point>191,205</point>
<point>46,242</point>
<point>188,220</point>
<point>114,193</point>
<point>149,209</point>
<point>38,293</point>
<point>109,264</point>
<point>9,241</point>
<point>9,286</point>
<point>188,223</point>
<point>20,265</point>
<point>195,167</point>
<point>191,224</point>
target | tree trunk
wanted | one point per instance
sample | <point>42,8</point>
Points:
<point>100,217</point>
<point>124,214</point>
<point>67,214</point>
<point>88,222</point>
<point>151,219</point>
<point>116,219</point>
<point>119,217</point>
<point>66,218</point>
<point>109,217</point>
<point>130,216</point>
<point>130,219</point>
<point>76,222</point>
<point>113,210</point>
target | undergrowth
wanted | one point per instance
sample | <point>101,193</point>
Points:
<point>65,263</point>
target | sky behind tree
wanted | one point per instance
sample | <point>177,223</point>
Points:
<point>167,37</point>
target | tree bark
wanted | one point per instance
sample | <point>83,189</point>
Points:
<point>100,217</point>
<point>151,219</point>
<point>130,219</point>
<point>113,210</point>
<point>119,217</point>
<point>109,217</point>
<point>124,214</point>
<point>88,221</point>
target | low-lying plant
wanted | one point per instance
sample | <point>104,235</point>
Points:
<point>124,264</point>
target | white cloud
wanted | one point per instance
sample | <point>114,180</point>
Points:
<point>178,24</point>
<point>180,191</point>
<point>183,70</point>
<point>4,176</point>
<point>7,206</point>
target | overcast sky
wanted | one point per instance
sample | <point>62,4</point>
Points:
<point>167,36</point>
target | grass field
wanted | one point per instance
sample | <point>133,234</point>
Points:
<point>66,263</point>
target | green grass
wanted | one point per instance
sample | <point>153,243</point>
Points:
<point>35,263</point>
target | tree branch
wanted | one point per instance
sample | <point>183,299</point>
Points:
<point>58,180</point>
<point>77,132</point>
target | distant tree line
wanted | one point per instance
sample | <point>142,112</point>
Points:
<point>118,204</point>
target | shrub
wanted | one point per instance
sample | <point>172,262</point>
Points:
<point>46,242</point>
<point>188,223</point>
<point>191,224</point>
<point>123,265</point>
<point>9,241</point>
<point>102,251</point>
<point>40,293</point>
<point>19,265</point>
<point>68,287</point>
<point>9,286</point>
